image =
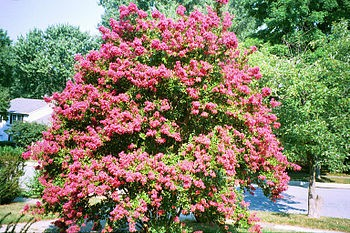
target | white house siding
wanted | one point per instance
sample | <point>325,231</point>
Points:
<point>32,110</point>
<point>3,135</point>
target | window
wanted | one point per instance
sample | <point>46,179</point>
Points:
<point>15,117</point>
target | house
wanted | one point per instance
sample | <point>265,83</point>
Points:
<point>25,110</point>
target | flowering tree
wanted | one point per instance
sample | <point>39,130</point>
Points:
<point>165,119</point>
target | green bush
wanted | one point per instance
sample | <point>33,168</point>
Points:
<point>35,188</point>
<point>11,169</point>
<point>23,134</point>
<point>7,143</point>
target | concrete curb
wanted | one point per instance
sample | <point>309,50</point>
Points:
<point>320,185</point>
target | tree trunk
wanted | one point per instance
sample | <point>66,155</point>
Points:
<point>318,172</point>
<point>314,200</point>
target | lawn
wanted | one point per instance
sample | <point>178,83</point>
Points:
<point>325,178</point>
<point>301,220</point>
<point>15,210</point>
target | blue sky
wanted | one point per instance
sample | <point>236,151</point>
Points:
<point>18,17</point>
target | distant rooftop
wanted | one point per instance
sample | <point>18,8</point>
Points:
<point>26,106</point>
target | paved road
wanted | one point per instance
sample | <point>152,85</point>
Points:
<point>336,201</point>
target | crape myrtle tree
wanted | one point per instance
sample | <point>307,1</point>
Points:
<point>167,7</point>
<point>165,119</point>
<point>242,23</point>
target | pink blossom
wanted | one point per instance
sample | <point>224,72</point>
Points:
<point>266,91</point>
<point>222,1</point>
<point>166,112</point>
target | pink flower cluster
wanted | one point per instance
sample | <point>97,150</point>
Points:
<point>162,120</point>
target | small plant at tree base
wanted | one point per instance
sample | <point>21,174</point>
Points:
<point>166,118</point>
<point>35,188</point>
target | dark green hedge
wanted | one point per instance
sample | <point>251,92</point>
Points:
<point>7,143</point>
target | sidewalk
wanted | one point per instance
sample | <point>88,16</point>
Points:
<point>41,226</point>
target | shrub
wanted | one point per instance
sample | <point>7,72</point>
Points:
<point>35,188</point>
<point>11,169</point>
<point>166,118</point>
<point>7,143</point>
<point>23,134</point>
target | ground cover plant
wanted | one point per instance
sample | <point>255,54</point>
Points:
<point>165,119</point>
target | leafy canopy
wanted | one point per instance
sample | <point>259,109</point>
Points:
<point>44,60</point>
<point>313,89</point>
<point>296,22</point>
<point>5,73</point>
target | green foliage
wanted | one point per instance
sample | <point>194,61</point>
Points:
<point>4,102</point>
<point>314,90</point>
<point>7,143</point>
<point>44,59</point>
<point>35,188</point>
<point>5,72</point>
<point>25,133</point>
<point>6,61</point>
<point>11,169</point>
<point>296,22</point>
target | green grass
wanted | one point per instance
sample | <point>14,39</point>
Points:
<point>325,178</point>
<point>301,220</point>
<point>15,210</point>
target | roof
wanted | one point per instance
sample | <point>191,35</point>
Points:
<point>26,106</point>
<point>46,119</point>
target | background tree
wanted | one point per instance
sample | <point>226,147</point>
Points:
<point>166,118</point>
<point>4,102</point>
<point>44,60</point>
<point>296,22</point>
<point>5,72</point>
<point>6,61</point>
<point>314,90</point>
<point>23,134</point>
